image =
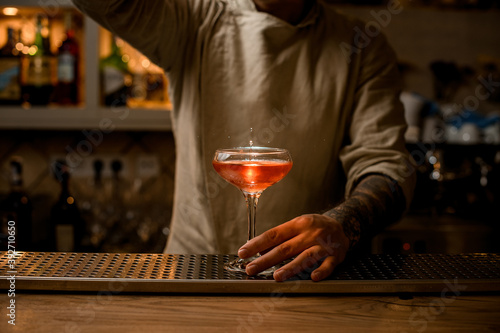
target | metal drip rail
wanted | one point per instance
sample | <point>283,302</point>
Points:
<point>164,273</point>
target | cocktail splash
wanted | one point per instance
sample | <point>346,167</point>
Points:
<point>252,170</point>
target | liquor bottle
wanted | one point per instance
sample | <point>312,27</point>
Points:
<point>67,66</point>
<point>16,212</point>
<point>99,203</point>
<point>115,77</point>
<point>38,88</point>
<point>68,227</point>
<point>117,235</point>
<point>10,71</point>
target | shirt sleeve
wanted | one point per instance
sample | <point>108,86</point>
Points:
<point>161,29</point>
<point>375,142</point>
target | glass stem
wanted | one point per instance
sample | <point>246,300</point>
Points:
<point>251,199</point>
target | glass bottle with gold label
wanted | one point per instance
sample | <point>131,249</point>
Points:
<point>116,79</point>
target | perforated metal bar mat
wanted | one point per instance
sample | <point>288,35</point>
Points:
<point>161,273</point>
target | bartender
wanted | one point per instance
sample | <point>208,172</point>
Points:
<point>292,74</point>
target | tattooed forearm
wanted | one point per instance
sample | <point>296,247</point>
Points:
<point>376,202</point>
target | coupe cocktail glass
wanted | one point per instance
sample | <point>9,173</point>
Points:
<point>252,170</point>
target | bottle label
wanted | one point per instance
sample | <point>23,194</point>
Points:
<point>65,237</point>
<point>39,71</point>
<point>113,79</point>
<point>66,68</point>
<point>10,88</point>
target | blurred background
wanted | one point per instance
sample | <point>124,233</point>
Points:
<point>87,157</point>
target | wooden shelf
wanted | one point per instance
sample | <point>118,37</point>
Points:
<point>91,115</point>
<point>78,118</point>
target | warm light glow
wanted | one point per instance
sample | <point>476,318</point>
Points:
<point>70,200</point>
<point>125,58</point>
<point>26,49</point>
<point>146,63</point>
<point>32,50</point>
<point>10,11</point>
<point>406,246</point>
<point>19,46</point>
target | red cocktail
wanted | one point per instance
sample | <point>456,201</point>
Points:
<point>252,176</point>
<point>252,170</point>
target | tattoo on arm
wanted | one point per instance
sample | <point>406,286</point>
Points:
<point>376,202</point>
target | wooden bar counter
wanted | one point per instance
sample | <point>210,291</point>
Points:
<point>107,292</point>
<point>45,312</point>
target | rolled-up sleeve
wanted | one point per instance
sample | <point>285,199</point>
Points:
<point>375,142</point>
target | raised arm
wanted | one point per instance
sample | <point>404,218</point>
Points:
<point>162,30</point>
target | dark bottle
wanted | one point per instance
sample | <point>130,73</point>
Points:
<point>16,213</point>
<point>67,66</point>
<point>115,77</point>
<point>99,204</point>
<point>68,227</point>
<point>10,71</point>
<point>46,36</point>
<point>93,209</point>
<point>38,86</point>
<point>118,231</point>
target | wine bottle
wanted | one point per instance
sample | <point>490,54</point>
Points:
<point>115,76</point>
<point>16,212</point>
<point>39,86</point>
<point>67,66</point>
<point>46,30</point>
<point>10,71</point>
<point>68,227</point>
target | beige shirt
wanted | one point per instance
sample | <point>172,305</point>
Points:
<point>240,75</point>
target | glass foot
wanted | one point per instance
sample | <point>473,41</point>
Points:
<point>239,266</point>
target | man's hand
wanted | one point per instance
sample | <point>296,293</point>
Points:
<point>309,237</point>
<point>376,202</point>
